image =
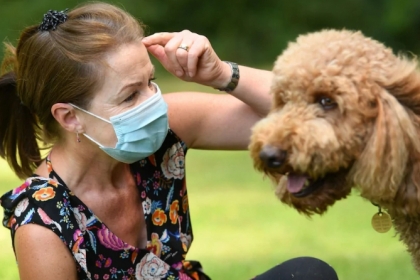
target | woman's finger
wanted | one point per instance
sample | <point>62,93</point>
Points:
<point>183,54</point>
<point>161,38</point>
<point>171,50</point>
<point>163,46</point>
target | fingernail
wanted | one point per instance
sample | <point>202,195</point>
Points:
<point>178,73</point>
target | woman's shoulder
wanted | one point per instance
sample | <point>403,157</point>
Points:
<point>173,138</point>
<point>35,187</point>
<point>36,197</point>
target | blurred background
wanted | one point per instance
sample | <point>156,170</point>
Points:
<point>240,228</point>
<point>248,31</point>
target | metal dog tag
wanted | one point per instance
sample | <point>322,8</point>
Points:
<point>381,222</point>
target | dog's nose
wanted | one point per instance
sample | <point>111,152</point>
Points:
<point>273,157</point>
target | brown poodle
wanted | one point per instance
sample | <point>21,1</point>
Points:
<point>345,114</point>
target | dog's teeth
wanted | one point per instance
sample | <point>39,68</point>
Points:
<point>306,183</point>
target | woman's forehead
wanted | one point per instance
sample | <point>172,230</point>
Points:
<point>129,57</point>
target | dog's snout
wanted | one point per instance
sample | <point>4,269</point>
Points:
<point>273,157</point>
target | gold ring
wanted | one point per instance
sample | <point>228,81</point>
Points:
<point>184,47</point>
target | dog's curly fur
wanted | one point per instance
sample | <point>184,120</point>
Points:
<point>345,114</point>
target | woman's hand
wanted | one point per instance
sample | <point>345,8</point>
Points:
<point>190,57</point>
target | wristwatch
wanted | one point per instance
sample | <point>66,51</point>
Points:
<point>234,79</point>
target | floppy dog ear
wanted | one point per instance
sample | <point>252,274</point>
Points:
<point>385,171</point>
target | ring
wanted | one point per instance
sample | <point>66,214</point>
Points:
<point>184,47</point>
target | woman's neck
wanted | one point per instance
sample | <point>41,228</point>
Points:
<point>84,170</point>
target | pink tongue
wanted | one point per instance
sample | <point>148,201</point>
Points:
<point>295,182</point>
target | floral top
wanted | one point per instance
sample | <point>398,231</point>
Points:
<point>98,253</point>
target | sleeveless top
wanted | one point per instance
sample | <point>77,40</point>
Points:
<point>99,253</point>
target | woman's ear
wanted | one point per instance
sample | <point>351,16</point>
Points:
<point>66,116</point>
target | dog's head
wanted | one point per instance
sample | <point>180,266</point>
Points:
<point>345,114</point>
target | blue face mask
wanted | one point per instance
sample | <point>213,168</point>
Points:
<point>140,131</point>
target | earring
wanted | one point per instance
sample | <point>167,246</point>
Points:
<point>77,137</point>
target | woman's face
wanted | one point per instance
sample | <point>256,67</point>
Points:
<point>126,84</point>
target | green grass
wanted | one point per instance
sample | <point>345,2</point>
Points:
<point>241,229</point>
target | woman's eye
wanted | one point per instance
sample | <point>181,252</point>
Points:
<point>327,103</point>
<point>150,84</point>
<point>131,97</point>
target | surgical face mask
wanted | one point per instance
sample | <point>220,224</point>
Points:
<point>140,131</point>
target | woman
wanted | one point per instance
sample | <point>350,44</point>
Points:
<point>111,193</point>
<point>109,199</point>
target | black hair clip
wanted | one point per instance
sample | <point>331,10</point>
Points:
<point>52,19</point>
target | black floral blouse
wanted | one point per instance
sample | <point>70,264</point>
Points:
<point>100,254</point>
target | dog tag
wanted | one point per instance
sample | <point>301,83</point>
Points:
<point>381,222</point>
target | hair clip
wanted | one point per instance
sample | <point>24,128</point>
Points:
<point>52,19</point>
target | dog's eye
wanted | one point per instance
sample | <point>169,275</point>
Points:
<point>327,103</point>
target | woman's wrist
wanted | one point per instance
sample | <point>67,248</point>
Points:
<point>229,77</point>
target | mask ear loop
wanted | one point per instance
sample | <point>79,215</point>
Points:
<point>84,134</point>
<point>89,113</point>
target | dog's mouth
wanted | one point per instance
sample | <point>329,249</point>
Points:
<point>301,185</point>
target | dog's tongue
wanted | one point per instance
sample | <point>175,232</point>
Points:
<point>295,182</point>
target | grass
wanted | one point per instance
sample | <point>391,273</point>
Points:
<point>241,229</point>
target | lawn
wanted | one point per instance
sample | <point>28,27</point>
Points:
<point>241,229</point>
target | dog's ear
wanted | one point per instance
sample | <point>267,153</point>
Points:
<point>406,88</point>
<point>383,171</point>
